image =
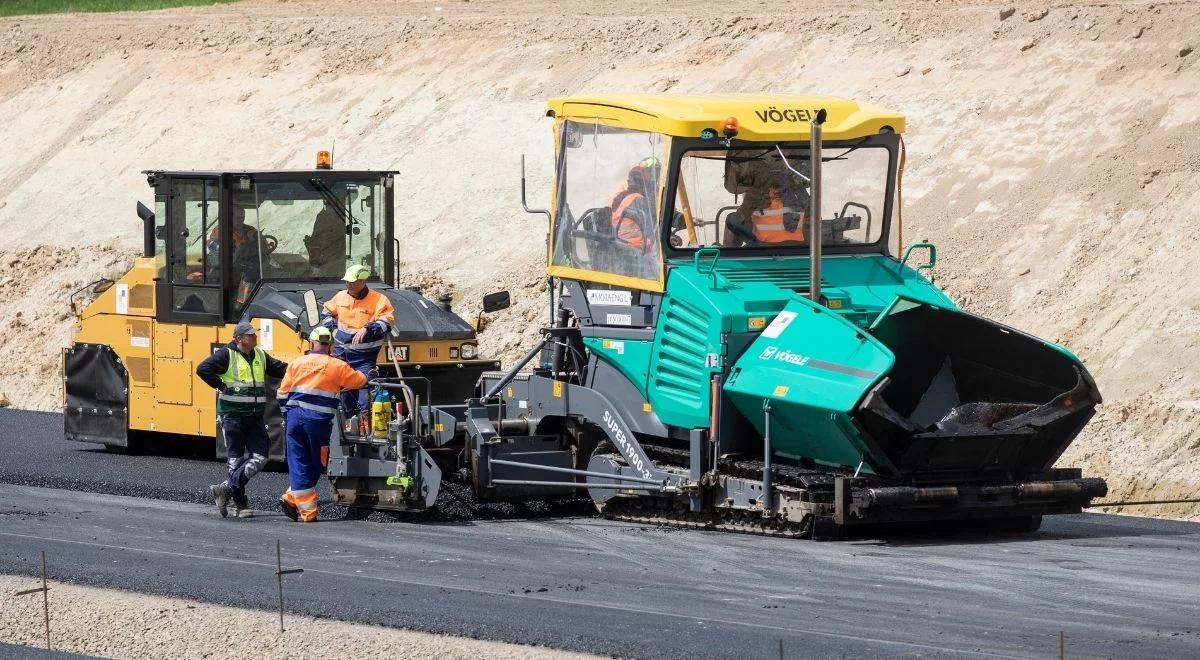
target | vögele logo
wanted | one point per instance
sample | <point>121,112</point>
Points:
<point>773,352</point>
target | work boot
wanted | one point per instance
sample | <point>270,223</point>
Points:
<point>220,494</point>
<point>242,504</point>
<point>289,509</point>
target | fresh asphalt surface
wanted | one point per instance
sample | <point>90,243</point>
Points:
<point>1117,587</point>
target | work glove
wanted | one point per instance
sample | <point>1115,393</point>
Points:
<point>376,330</point>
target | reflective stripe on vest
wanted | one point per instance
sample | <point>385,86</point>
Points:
<point>245,384</point>
<point>313,390</point>
<point>343,336</point>
<point>327,410</point>
<point>314,381</point>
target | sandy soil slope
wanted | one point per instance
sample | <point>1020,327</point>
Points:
<point>1052,154</point>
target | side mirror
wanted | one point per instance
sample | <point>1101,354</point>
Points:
<point>310,308</point>
<point>494,302</point>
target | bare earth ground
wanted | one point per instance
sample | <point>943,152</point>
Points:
<point>142,626</point>
<point>1052,155</point>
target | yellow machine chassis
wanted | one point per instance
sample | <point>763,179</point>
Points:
<point>165,395</point>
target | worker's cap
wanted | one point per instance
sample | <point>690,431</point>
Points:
<point>321,335</point>
<point>243,328</point>
<point>356,273</point>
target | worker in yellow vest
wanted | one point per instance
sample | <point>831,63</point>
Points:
<point>239,372</point>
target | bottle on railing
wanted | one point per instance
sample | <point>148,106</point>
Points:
<point>381,413</point>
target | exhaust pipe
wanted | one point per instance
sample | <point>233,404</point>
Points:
<point>814,206</point>
<point>147,217</point>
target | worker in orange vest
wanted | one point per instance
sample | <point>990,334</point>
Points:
<point>308,396</point>
<point>632,208</point>
<point>360,320</point>
<point>773,214</point>
<point>248,247</point>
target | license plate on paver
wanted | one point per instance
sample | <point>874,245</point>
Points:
<point>397,353</point>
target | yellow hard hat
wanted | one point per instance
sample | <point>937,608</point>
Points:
<point>321,334</point>
<point>356,273</point>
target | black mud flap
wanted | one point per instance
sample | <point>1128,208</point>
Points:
<point>96,401</point>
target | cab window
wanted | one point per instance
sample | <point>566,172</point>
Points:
<point>758,198</point>
<point>195,249</point>
<point>301,230</point>
<point>607,219</point>
<point>196,256</point>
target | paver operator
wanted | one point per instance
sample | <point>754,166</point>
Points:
<point>309,398</point>
<point>238,371</point>
<point>632,207</point>
<point>360,320</point>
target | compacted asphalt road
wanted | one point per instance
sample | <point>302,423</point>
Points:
<point>1115,586</point>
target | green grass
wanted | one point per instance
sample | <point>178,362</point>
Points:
<point>23,7</point>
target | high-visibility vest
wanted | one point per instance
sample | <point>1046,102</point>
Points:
<point>768,226</point>
<point>627,230</point>
<point>245,385</point>
<point>313,382</point>
<point>354,314</point>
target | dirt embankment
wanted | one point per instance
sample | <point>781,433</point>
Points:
<point>1051,153</point>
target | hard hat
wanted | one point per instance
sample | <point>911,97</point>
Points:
<point>356,273</point>
<point>243,328</point>
<point>646,171</point>
<point>321,334</point>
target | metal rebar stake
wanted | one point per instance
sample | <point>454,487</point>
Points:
<point>46,600</point>
<point>279,576</point>
<point>279,573</point>
<point>45,589</point>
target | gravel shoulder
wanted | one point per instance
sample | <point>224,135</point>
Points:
<point>120,624</point>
